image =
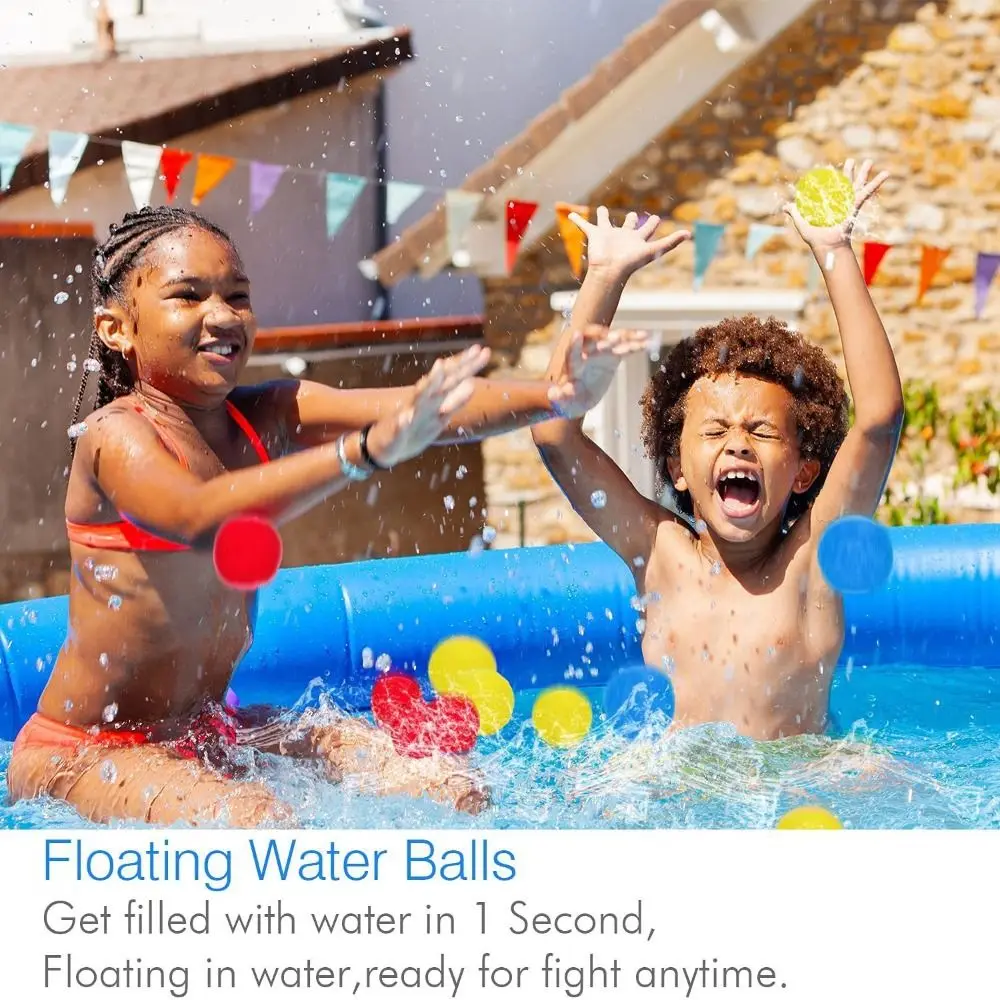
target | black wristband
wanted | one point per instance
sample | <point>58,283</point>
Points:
<point>365,453</point>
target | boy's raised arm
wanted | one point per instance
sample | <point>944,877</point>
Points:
<point>857,477</point>
<point>597,488</point>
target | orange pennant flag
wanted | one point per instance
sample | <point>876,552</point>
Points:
<point>572,235</point>
<point>930,264</point>
<point>211,170</point>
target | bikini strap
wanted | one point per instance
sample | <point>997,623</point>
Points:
<point>252,436</point>
<point>166,439</point>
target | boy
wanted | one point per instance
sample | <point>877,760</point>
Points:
<point>747,424</point>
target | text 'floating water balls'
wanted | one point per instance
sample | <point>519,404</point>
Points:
<point>855,555</point>
<point>456,654</point>
<point>824,197</point>
<point>247,552</point>
<point>809,818</point>
<point>562,716</point>
<point>464,665</point>
<point>633,693</point>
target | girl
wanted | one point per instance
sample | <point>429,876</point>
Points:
<point>131,723</point>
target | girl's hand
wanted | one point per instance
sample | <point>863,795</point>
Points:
<point>590,365</point>
<point>830,237</point>
<point>623,251</point>
<point>445,389</point>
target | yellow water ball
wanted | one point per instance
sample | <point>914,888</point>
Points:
<point>457,654</point>
<point>488,690</point>
<point>809,818</point>
<point>562,716</point>
<point>824,197</point>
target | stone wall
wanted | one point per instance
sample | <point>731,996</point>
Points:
<point>914,87</point>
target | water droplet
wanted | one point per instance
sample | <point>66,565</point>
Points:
<point>716,568</point>
<point>60,297</point>
<point>105,573</point>
<point>723,354</point>
<point>68,705</point>
<point>449,502</point>
<point>384,663</point>
<point>700,527</point>
<point>640,626</point>
<point>372,497</point>
<point>39,664</point>
<point>667,662</point>
<point>109,712</point>
<point>103,660</point>
<point>489,534</point>
<point>476,546</point>
<point>460,472</point>
<point>71,366</point>
<point>76,430</point>
<point>367,658</point>
<point>771,652</point>
<point>638,562</point>
<point>798,377</point>
<point>91,365</point>
<point>115,602</point>
<point>598,499</point>
<point>109,772</point>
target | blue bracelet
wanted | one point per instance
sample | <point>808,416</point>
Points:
<point>559,411</point>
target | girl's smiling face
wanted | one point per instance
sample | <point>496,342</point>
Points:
<point>189,326</point>
<point>739,455</point>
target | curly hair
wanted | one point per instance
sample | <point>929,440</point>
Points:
<point>764,349</point>
<point>114,262</point>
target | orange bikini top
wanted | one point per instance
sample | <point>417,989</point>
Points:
<point>125,535</point>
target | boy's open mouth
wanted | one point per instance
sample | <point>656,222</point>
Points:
<point>739,492</point>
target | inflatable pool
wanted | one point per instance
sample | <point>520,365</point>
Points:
<point>913,687</point>
<point>562,614</point>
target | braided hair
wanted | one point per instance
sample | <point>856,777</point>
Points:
<point>114,261</point>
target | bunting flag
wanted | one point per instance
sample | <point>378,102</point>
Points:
<point>519,215</point>
<point>812,278</point>
<point>399,196</point>
<point>172,164</point>
<point>65,151</point>
<point>573,237</point>
<point>211,170</point>
<point>342,192</point>
<point>986,269</point>
<point>930,264</point>
<point>142,164</point>
<point>759,235</point>
<point>460,209</point>
<point>14,141</point>
<point>707,236</point>
<point>264,179</point>
<point>873,255</point>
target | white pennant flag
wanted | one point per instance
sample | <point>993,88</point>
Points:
<point>758,236</point>
<point>399,196</point>
<point>461,208</point>
<point>65,151</point>
<point>14,140</point>
<point>142,167</point>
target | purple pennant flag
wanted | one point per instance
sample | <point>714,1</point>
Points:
<point>986,269</point>
<point>264,179</point>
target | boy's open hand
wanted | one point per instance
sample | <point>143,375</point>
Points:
<point>589,366</point>
<point>623,251</point>
<point>828,238</point>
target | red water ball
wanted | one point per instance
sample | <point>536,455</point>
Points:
<point>455,723</point>
<point>247,552</point>
<point>393,697</point>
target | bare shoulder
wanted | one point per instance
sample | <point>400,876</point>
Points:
<point>673,546</point>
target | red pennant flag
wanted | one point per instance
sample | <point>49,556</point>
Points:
<point>874,252</point>
<point>519,214</point>
<point>172,164</point>
<point>930,264</point>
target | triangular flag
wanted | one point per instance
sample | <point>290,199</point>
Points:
<point>759,235</point>
<point>142,164</point>
<point>707,236</point>
<point>460,208</point>
<point>399,196</point>
<point>342,192</point>
<point>65,152</point>
<point>14,140</point>
<point>986,269</point>
<point>211,170</point>
<point>519,214</point>
<point>930,264</point>
<point>172,164</point>
<point>573,237</point>
<point>873,254</point>
<point>264,179</point>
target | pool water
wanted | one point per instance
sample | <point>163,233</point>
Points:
<point>911,747</point>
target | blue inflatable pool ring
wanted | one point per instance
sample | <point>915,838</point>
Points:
<point>855,555</point>
<point>633,694</point>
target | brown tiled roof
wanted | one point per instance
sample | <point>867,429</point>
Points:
<point>405,254</point>
<point>155,100</point>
